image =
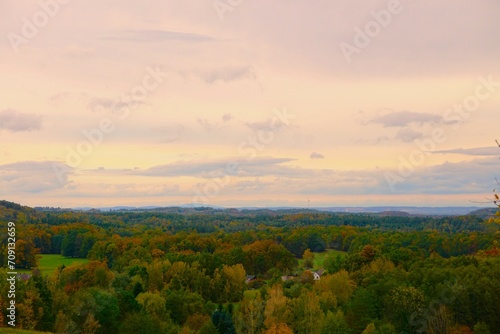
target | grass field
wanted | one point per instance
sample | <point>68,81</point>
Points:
<point>319,258</point>
<point>50,262</point>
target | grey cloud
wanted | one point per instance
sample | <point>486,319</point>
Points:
<point>251,185</point>
<point>227,74</point>
<point>14,121</point>
<point>227,117</point>
<point>466,177</point>
<point>241,167</point>
<point>59,97</point>
<point>315,155</point>
<point>206,125</point>
<point>203,168</point>
<point>478,151</point>
<point>33,176</point>
<point>103,103</point>
<point>408,135</point>
<point>266,125</point>
<point>475,176</point>
<point>126,190</point>
<point>405,118</point>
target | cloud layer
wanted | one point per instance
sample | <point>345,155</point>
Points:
<point>272,93</point>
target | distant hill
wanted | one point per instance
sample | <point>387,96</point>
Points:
<point>484,213</point>
<point>393,214</point>
<point>401,211</point>
<point>412,210</point>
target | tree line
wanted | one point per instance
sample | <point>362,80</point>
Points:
<point>152,272</point>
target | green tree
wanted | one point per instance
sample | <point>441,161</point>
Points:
<point>250,315</point>
<point>333,262</point>
<point>335,323</point>
<point>404,305</point>
<point>306,313</point>
<point>223,321</point>
<point>152,303</point>
<point>481,328</point>
<point>181,304</point>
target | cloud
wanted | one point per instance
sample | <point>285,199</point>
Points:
<point>14,121</point>
<point>227,74</point>
<point>156,36</point>
<point>238,166</point>
<point>315,155</point>
<point>227,117</point>
<point>408,135</point>
<point>33,177</point>
<point>206,125</point>
<point>269,124</point>
<point>203,168</point>
<point>405,118</point>
<point>474,176</point>
<point>103,103</point>
<point>478,151</point>
<point>251,185</point>
<point>128,190</point>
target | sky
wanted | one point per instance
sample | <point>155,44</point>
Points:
<point>249,103</point>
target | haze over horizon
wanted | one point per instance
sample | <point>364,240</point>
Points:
<point>342,103</point>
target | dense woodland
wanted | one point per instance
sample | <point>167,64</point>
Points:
<point>176,271</point>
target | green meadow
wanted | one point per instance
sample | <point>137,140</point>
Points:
<point>50,262</point>
<point>319,258</point>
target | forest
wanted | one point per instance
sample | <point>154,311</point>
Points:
<point>203,271</point>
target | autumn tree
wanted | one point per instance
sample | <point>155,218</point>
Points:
<point>26,254</point>
<point>280,328</point>
<point>306,313</point>
<point>250,315</point>
<point>276,310</point>
<point>339,286</point>
<point>308,257</point>
<point>153,304</point>
<point>235,282</point>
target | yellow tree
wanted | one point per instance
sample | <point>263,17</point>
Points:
<point>235,283</point>
<point>338,287</point>
<point>281,328</point>
<point>370,329</point>
<point>276,310</point>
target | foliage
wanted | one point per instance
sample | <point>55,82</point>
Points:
<point>185,271</point>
